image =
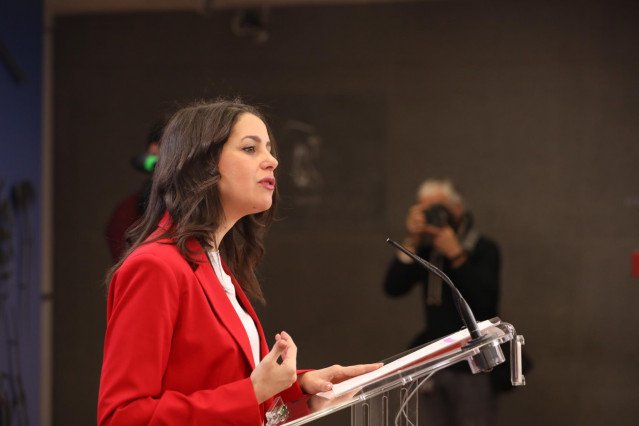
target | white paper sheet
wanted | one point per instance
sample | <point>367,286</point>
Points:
<point>438,347</point>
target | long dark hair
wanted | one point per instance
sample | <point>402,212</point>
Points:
<point>185,184</point>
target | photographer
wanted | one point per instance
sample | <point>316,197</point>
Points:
<point>441,230</point>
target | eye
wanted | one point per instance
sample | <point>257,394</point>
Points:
<point>249,148</point>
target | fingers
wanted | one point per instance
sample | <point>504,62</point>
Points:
<point>289,356</point>
<point>315,381</point>
<point>278,349</point>
<point>284,347</point>
<point>270,377</point>
<point>322,380</point>
<point>415,220</point>
<point>343,373</point>
<point>445,241</point>
<point>432,230</point>
<point>356,370</point>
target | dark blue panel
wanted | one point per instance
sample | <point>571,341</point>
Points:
<point>20,201</point>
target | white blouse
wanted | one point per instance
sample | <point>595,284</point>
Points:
<point>229,288</point>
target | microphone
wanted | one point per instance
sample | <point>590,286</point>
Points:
<point>488,355</point>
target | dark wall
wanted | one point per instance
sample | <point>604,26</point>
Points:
<point>531,106</point>
<point>20,209</point>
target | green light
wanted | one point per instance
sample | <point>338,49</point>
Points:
<point>149,162</point>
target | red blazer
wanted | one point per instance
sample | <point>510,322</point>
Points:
<point>175,350</point>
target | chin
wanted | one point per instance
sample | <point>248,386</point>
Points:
<point>260,208</point>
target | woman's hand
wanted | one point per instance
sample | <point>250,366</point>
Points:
<point>323,380</point>
<point>270,377</point>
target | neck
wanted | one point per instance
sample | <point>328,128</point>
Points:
<point>220,232</point>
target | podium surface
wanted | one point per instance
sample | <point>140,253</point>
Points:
<point>381,396</point>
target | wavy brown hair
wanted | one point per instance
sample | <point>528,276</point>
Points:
<point>185,184</point>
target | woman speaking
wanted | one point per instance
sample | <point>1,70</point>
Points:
<point>183,344</point>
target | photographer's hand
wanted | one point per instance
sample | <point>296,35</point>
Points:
<point>415,221</point>
<point>445,242</point>
<point>415,225</point>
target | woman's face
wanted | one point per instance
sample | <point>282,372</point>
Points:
<point>246,167</point>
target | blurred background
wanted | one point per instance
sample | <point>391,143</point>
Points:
<point>531,106</point>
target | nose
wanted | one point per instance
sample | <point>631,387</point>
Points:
<point>270,162</point>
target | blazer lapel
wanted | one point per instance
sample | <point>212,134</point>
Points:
<point>221,305</point>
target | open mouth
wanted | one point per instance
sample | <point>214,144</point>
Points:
<point>268,183</point>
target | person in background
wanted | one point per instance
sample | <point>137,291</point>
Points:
<point>129,210</point>
<point>183,344</point>
<point>440,229</point>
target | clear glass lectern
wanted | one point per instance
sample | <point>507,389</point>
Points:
<point>388,395</point>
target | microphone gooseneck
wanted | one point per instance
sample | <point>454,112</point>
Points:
<point>489,354</point>
<point>462,307</point>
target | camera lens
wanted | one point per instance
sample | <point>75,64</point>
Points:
<point>437,215</point>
